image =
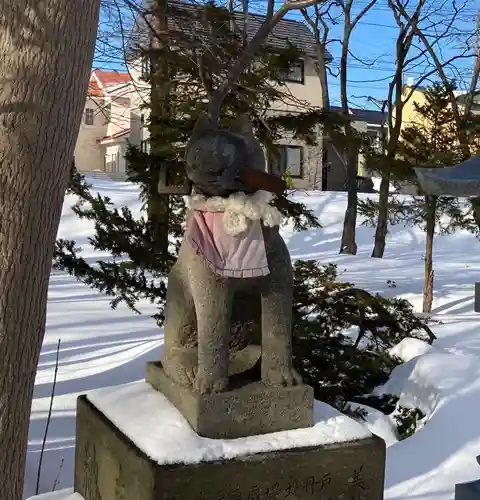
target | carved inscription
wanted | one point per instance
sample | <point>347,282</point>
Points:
<point>318,487</point>
<point>356,485</point>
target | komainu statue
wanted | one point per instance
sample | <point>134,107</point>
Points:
<point>231,245</point>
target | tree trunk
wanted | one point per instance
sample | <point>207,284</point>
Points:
<point>158,205</point>
<point>475,203</point>
<point>348,244</point>
<point>321,69</point>
<point>431,202</point>
<point>47,49</point>
<point>382,220</point>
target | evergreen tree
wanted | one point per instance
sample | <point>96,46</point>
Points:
<point>432,140</point>
<point>340,368</point>
<point>345,367</point>
<point>139,263</point>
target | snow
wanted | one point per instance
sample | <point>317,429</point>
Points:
<point>378,423</point>
<point>65,494</point>
<point>161,432</point>
<point>102,348</point>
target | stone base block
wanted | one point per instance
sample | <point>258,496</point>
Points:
<point>246,411</point>
<point>109,466</point>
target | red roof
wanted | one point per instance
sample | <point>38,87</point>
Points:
<point>100,80</point>
<point>117,135</point>
<point>94,90</point>
<point>112,77</point>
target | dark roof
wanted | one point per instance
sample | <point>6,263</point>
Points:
<point>288,32</point>
<point>364,115</point>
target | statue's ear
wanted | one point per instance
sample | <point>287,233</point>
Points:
<point>202,126</point>
<point>243,126</point>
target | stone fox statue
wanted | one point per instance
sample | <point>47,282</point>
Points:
<point>231,243</point>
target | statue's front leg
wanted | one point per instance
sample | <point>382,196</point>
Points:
<point>277,300</point>
<point>179,357</point>
<point>213,296</point>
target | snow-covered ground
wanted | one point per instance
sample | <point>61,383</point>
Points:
<point>101,347</point>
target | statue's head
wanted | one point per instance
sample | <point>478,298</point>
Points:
<point>214,157</point>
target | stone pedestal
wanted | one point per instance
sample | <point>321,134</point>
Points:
<point>132,444</point>
<point>247,410</point>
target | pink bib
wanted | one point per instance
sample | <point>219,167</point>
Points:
<point>239,256</point>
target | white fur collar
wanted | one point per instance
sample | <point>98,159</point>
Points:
<point>239,208</point>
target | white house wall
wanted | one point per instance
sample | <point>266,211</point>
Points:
<point>115,157</point>
<point>89,154</point>
<point>140,97</point>
<point>300,96</point>
<point>125,102</point>
<point>120,112</point>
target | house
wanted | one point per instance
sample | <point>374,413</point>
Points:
<point>106,123</point>
<point>366,121</point>
<point>409,113</point>
<point>411,117</point>
<point>301,82</point>
<point>461,96</point>
<point>114,116</point>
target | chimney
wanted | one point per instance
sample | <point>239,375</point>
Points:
<point>410,82</point>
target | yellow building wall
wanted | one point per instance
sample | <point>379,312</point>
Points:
<point>411,117</point>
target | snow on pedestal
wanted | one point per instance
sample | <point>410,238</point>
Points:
<point>155,428</point>
<point>66,494</point>
<point>133,443</point>
<point>150,421</point>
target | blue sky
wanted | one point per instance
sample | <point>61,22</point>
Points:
<point>373,47</point>
<point>373,52</point>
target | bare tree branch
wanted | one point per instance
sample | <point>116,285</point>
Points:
<point>440,70</point>
<point>271,20</point>
<point>394,104</point>
<point>361,13</point>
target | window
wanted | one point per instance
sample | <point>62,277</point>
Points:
<point>295,73</point>
<point>146,67</point>
<point>145,146</point>
<point>112,162</point>
<point>287,158</point>
<point>89,116</point>
<point>373,133</point>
